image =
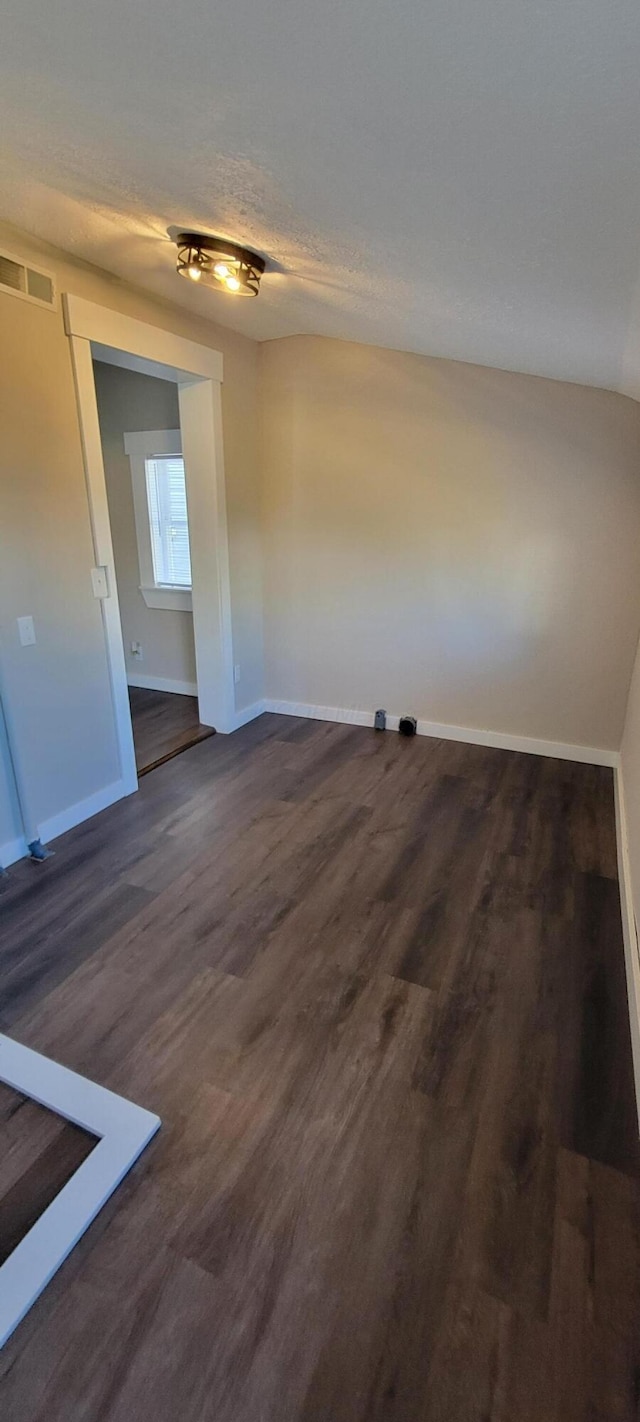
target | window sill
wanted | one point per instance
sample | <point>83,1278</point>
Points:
<point>172,599</point>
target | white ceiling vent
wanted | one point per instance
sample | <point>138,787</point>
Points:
<point>31,283</point>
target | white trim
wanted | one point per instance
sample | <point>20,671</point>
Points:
<point>141,445</point>
<point>559,750</point>
<point>320,713</point>
<point>162,683</point>
<point>124,1130</point>
<point>198,371</point>
<point>103,551</point>
<point>12,851</point>
<point>168,598</point>
<point>200,405</point>
<point>153,444</point>
<point>66,819</point>
<point>141,518</point>
<point>161,352</point>
<point>248,713</point>
<point>82,810</point>
<point>629,929</point>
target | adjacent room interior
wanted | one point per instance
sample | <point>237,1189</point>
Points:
<point>146,495</point>
<point>320,714</point>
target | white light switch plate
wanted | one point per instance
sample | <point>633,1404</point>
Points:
<point>26,631</point>
<point>100,580</point>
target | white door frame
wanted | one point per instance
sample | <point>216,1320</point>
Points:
<point>197,370</point>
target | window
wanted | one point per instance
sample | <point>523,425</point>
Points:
<point>162,522</point>
<point>168,523</point>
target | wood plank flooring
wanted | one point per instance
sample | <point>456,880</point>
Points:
<point>164,724</point>
<point>375,989</point>
<point>39,1152</point>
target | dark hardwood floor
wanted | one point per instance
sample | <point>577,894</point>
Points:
<point>39,1151</point>
<point>164,725</point>
<point>375,989</point>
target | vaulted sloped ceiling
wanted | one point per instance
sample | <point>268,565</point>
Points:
<point>454,177</point>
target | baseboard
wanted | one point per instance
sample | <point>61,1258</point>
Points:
<point>558,750</point>
<point>11,851</point>
<point>323,713</point>
<point>83,810</point>
<point>248,713</point>
<point>163,683</point>
<point>629,929</point>
<point>67,819</point>
<point>50,829</point>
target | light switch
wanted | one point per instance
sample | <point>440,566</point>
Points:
<point>26,631</point>
<point>100,580</point>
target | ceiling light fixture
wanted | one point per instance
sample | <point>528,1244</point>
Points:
<point>217,262</point>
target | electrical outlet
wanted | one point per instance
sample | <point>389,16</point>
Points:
<point>236,673</point>
<point>136,650</point>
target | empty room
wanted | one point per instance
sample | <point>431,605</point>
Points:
<point>320,712</point>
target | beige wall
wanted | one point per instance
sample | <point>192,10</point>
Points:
<point>454,542</point>
<point>630,771</point>
<point>128,401</point>
<point>442,539</point>
<point>10,821</point>
<point>630,826</point>
<point>59,689</point>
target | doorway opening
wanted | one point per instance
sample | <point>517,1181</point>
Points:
<point>100,338</point>
<point>164,723</point>
<point>145,478</point>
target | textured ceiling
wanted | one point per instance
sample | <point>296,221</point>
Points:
<point>454,177</point>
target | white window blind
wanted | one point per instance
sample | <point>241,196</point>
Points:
<point>168,522</point>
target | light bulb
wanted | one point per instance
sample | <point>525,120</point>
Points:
<point>221,270</point>
<point>232,283</point>
<point>194,273</point>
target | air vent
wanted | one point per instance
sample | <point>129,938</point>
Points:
<point>12,274</point>
<point>31,283</point>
